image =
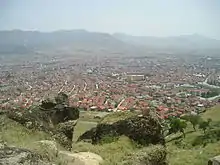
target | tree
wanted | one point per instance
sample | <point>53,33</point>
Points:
<point>177,125</point>
<point>193,119</point>
<point>205,124</point>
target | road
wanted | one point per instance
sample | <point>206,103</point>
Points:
<point>206,84</point>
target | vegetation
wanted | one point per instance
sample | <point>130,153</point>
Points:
<point>193,119</point>
<point>114,117</point>
<point>124,152</point>
<point>209,94</point>
<point>204,125</point>
<point>16,135</point>
<point>177,125</point>
<point>113,153</point>
<point>197,146</point>
<point>191,140</point>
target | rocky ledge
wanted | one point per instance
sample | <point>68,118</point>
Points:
<point>52,116</point>
<point>144,130</point>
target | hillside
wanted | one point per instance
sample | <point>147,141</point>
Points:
<point>196,148</point>
<point>180,151</point>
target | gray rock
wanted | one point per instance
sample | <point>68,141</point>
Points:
<point>81,158</point>
<point>64,133</point>
<point>19,156</point>
<point>50,146</point>
<point>214,161</point>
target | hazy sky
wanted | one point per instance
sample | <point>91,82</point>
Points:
<point>136,17</point>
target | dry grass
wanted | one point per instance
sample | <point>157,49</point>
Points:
<point>213,113</point>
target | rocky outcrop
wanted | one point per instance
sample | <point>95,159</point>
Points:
<point>55,117</point>
<point>81,158</point>
<point>142,129</point>
<point>50,149</point>
<point>19,156</point>
<point>64,133</point>
<point>152,155</point>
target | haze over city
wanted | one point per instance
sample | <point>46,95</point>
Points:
<point>139,17</point>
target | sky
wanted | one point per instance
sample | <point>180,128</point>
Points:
<point>134,17</point>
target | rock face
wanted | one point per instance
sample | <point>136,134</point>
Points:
<point>142,129</point>
<point>54,117</point>
<point>64,133</point>
<point>19,156</point>
<point>81,158</point>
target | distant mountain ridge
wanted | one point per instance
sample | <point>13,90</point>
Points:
<point>194,41</point>
<point>22,41</point>
<point>18,41</point>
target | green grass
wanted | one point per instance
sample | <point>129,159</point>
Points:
<point>213,113</point>
<point>113,153</point>
<point>90,115</point>
<point>193,156</point>
<point>81,127</point>
<point>181,151</point>
<point>114,117</point>
<point>16,135</point>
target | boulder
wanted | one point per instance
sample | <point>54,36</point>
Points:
<point>152,155</point>
<point>142,129</point>
<point>81,158</point>
<point>214,161</point>
<point>64,133</point>
<point>56,118</point>
<point>19,156</point>
<point>49,145</point>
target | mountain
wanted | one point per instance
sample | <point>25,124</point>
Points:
<point>189,42</point>
<point>17,41</point>
<point>29,41</point>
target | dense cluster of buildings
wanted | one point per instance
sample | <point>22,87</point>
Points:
<point>168,86</point>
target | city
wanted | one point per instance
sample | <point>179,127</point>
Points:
<point>117,82</point>
<point>170,85</point>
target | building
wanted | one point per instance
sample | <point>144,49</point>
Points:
<point>135,76</point>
